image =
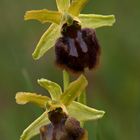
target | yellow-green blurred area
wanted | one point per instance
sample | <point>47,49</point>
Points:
<point>113,87</point>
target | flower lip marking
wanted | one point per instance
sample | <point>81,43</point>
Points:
<point>77,49</point>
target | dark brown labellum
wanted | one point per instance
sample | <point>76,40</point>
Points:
<point>77,49</point>
<point>62,127</point>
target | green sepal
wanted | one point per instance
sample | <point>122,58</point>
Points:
<point>84,113</point>
<point>44,16</point>
<point>77,6</point>
<point>47,41</point>
<point>34,128</point>
<point>63,5</point>
<point>96,21</point>
<point>27,97</point>
<point>74,90</point>
<point>53,88</point>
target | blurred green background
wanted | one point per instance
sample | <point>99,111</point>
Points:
<point>114,87</point>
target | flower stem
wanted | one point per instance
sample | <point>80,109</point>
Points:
<point>66,79</point>
<point>82,99</point>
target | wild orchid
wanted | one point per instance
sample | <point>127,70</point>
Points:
<point>76,47</point>
<point>59,99</point>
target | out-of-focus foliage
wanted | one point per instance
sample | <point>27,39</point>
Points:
<point>114,87</point>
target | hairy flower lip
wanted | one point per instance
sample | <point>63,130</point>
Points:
<point>62,127</point>
<point>77,49</point>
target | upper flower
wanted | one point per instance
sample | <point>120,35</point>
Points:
<point>67,13</point>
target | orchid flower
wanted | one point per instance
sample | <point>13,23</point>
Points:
<point>57,99</point>
<point>67,12</point>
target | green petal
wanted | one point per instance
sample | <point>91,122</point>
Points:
<point>26,97</point>
<point>44,16</point>
<point>53,88</point>
<point>74,90</point>
<point>34,128</point>
<point>47,41</point>
<point>84,113</point>
<point>96,21</point>
<point>63,5</point>
<point>77,6</point>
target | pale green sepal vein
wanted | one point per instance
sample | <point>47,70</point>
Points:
<point>84,113</point>
<point>47,41</point>
<point>27,97</point>
<point>53,88</point>
<point>33,129</point>
<point>96,21</point>
<point>63,5</point>
<point>44,16</point>
<point>77,6</point>
<point>74,90</point>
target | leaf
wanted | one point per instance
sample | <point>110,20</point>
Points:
<point>74,90</point>
<point>77,6</point>
<point>44,16</point>
<point>47,41</point>
<point>96,21</point>
<point>26,97</point>
<point>63,5</point>
<point>84,113</point>
<point>34,128</point>
<point>53,88</point>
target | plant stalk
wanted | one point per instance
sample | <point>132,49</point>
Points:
<point>66,79</point>
<point>82,99</point>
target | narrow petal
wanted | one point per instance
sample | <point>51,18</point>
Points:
<point>96,21</point>
<point>47,41</point>
<point>84,113</point>
<point>26,97</point>
<point>63,5</point>
<point>74,90</point>
<point>34,129</point>
<point>44,16</point>
<point>53,88</point>
<point>77,6</point>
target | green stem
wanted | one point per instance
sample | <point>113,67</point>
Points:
<point>66,79</point>
<point>82,99</point>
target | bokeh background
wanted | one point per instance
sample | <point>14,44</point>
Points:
<point>114,87</point>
